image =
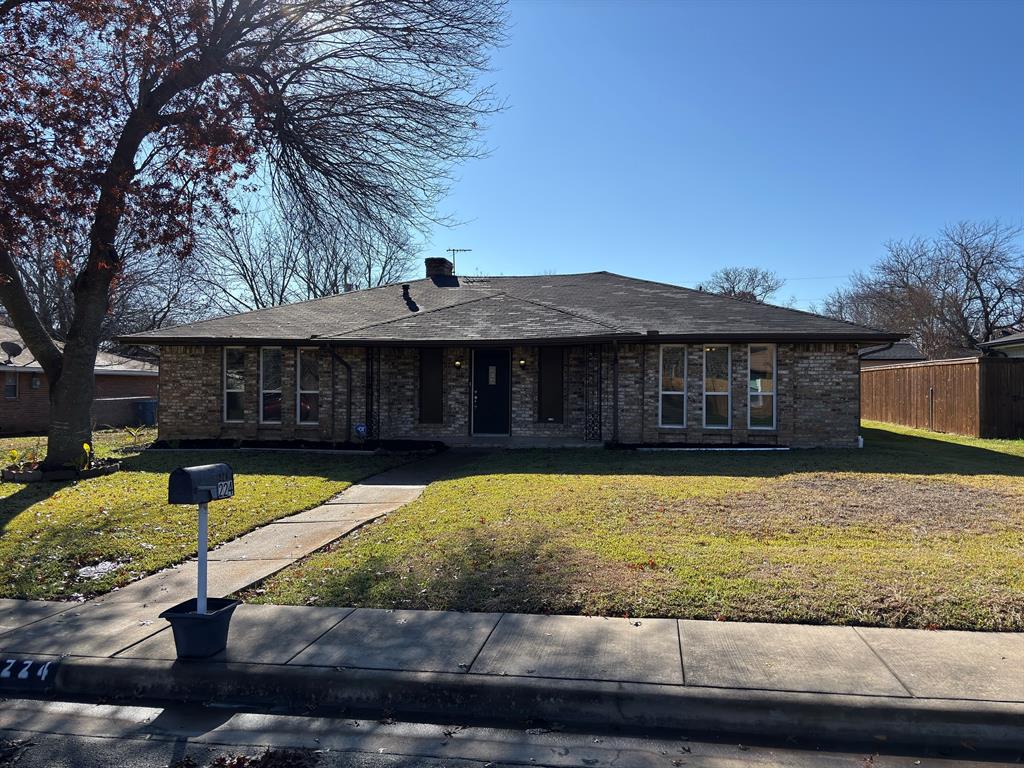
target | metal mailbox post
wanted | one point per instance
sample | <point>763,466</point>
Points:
<point>199,632</point>
<point>201,485</point>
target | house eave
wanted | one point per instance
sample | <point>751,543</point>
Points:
<point>98,371</point>
<point>635,338</point>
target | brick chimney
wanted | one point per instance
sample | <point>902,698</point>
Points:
<point>438,267</point>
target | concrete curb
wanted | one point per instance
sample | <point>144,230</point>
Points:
<point>517,701</point>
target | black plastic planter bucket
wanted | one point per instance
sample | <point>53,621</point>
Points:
<point>199,635</point>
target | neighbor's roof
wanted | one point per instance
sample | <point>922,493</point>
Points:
<point>591,306</point>
<point>901,350</point>
<point>105,362</point>
<point>1014,339</point>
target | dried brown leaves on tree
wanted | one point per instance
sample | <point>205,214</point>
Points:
<point>134,120</point>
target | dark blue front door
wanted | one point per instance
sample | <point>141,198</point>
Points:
<point>491,379</point>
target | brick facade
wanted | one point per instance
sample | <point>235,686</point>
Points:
<point>816,389</point>
<point>29,412</point>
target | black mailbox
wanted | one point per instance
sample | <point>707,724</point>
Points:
<point>198,485</point>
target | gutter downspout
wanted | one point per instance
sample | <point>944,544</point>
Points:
<point>348,396</point>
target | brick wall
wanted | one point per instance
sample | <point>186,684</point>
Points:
<point>30,411</point>
<point>817,396</point>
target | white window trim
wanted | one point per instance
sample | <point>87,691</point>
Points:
<point>773,393</point>
<point>299,391</point>
<point>271,391</point>
<point>728,388</point>
<point>661,382</point>
<point>224,386</point>
<point>17,385</point>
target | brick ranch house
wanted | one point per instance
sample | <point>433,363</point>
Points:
<point>547,360</point>
<point>120,383</point>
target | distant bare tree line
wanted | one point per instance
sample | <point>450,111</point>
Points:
<point>948,293</point>
<point>748,283</point>
<point>253,259</point>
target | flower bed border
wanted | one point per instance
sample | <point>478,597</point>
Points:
<point>10,475</point>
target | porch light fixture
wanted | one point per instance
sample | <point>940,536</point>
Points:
<point>458,363</point>
<point>522,363</point>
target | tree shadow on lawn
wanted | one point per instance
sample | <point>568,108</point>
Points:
<point>884,452</point>
<point>533,576</point>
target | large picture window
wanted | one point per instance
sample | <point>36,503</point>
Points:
<point>761,388</point>
<point>717,373</point>
<point>672,408</point>
<point>551,390</point>
<point>234,384</point>
<point>431,385</point>
<point>270,385</point>
<point>308,389</point>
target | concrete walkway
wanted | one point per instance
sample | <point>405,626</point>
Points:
<point>248,559</point>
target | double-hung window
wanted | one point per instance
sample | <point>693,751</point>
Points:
<point>717,374</point>
<point>234,384</point>
<point>307,393</point>
<point>761,388</point>
<point>270,385</point>
<point>11,385</point>
<point>672,407</point>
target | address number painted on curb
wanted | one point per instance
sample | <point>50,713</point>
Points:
<point>27,674</point>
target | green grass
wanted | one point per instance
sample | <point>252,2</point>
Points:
<point>48,531</point>
<point>916,530</point>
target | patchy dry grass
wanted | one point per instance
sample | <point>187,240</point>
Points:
<point>48,531</point>
<point>913,530</point>
<point>105,442</point>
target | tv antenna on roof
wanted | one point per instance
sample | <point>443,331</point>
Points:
<point>454,251</point>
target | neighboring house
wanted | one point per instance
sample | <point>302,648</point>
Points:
<point>1011,346</point>
<point>547,360</point>
<point>120,383</point>
<point>886,354</point>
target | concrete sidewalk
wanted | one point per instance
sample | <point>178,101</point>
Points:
<point>843,683</point>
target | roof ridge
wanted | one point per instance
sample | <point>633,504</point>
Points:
<point>281,306</point>
<point>567,311</point>
<point>747,302</point>
<point>406,317</point>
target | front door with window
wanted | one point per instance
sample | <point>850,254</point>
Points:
<point>491,391</point>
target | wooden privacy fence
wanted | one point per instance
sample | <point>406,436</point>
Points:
<point>977,396</point>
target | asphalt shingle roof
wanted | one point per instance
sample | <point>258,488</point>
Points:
<point>1013,338</point>
<point>901,350</point>
<point>593,305</point>
<point>105,361</point>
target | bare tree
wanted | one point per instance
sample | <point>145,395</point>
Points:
<point>749,283</point>
<point>263,258</point>
<point>154,290</point>
<point>139,118</point>
<point>948,294</point>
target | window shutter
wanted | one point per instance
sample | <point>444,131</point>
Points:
<point>551,385</point>
<point>431,388</point>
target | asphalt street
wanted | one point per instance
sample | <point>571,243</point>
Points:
<point>38,734</point>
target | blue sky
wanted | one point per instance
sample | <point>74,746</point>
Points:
<point>666,139</point>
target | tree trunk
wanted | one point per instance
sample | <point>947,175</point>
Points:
<point>71,397</point>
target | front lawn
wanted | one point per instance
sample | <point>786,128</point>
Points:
<point>49,531</point>
<point>915,530</point>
